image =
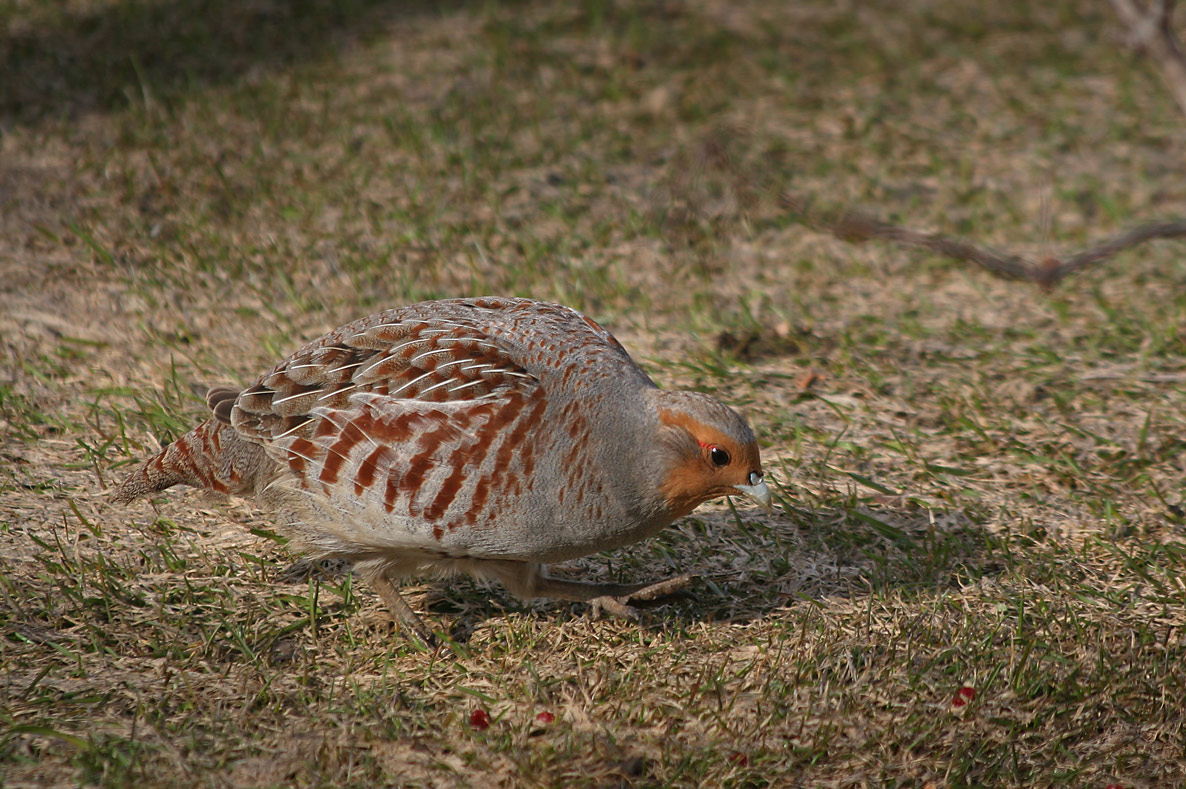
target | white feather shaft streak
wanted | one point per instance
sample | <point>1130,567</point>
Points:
<point>279,400</point>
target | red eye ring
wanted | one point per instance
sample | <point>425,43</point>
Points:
<point>717,455</point>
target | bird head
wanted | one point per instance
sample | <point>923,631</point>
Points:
<point>708,451</point>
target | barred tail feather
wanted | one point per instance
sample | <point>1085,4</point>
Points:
<point>212,456</point>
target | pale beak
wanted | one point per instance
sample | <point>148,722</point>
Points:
<point>757,491</point>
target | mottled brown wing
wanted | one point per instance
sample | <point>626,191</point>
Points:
<point>406,420</point>
<point>425,360</point>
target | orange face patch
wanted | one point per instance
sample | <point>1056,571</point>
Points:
<point>696,479</point>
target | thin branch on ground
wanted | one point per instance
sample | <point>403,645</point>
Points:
<point>856,227</point>
<point>1150,31</point>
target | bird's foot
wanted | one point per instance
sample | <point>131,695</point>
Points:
<point>620,605</point>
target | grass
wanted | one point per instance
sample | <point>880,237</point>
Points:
<point>978,485</point>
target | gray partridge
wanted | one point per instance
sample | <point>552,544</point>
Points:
<point>487,436</point>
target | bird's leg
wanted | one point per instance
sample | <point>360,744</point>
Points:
<point>530,580</point>
<point>409,622</point>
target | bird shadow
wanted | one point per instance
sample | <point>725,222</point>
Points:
<point>747,570</point>
<point>838,553</point>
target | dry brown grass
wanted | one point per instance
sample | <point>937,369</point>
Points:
<point>980,485</point>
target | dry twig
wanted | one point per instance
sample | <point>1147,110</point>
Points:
<point>856,227</point>
<point>1150,31</point>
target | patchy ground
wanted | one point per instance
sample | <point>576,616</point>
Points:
<point>973,572</point>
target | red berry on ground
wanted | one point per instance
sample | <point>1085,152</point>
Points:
<point>963,696</point>
<point>545,717</point>
<point>479,719</point>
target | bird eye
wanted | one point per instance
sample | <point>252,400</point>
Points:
<point>718,456</point>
